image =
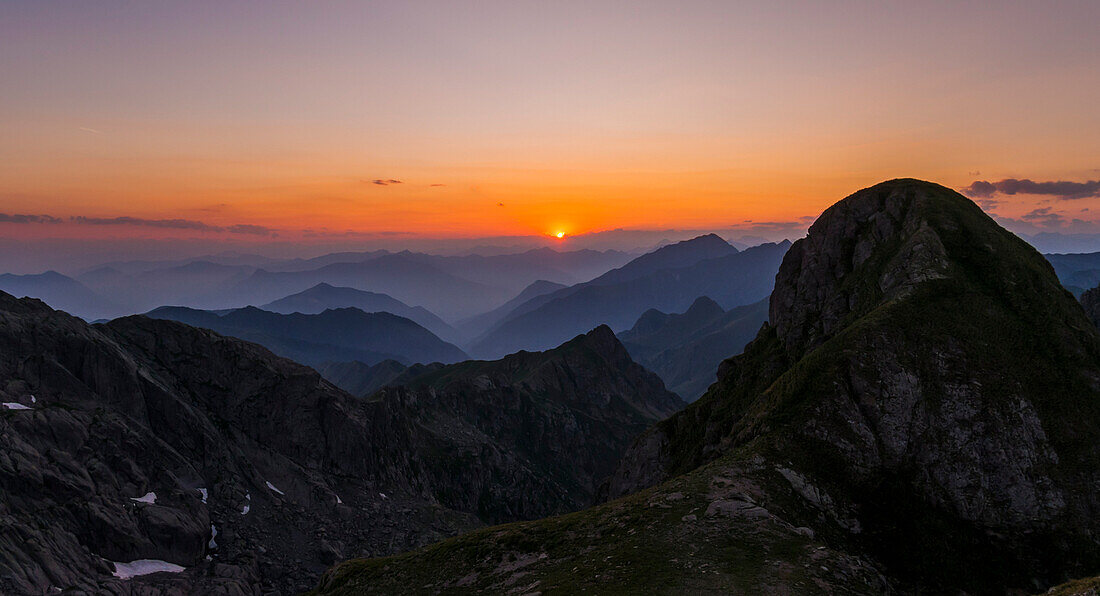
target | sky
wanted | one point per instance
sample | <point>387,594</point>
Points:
<point>310,123</point>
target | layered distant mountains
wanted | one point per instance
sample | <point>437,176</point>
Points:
<point>669,279</point>
<point>920,416</point>
<point>323,296</point>
<point>330,336</point>
<point>686,349</point>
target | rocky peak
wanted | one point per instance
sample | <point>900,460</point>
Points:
<point>879,244</point>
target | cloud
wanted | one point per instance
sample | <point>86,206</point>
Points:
<point>1044,217</point>
<point>437,185</point>
<point>1061,189</point>
<point>20,219</point>
<point>382,182</point>
<point>251,229</point>
<point>91,130</point>
<point>176,224</point>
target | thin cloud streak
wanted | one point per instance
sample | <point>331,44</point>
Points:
<point>125,220</point>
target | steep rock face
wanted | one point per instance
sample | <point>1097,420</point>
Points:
<point>565,415</point>
<point>1090,301</point>
<point>149,439</point>
<point>924,356</point>
<point>926,404</point>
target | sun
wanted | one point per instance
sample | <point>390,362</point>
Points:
<point>560,234</point>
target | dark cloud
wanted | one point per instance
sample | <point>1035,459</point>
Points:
<point>20,219</point>
<point>382,182</point>
<point>1045,217</point>
<point>1061,189</point>
<point>251,229</point>
<point>437,185</point>
<point>175,224</point>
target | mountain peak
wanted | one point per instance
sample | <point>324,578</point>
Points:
<point>704,307</point>
<point>883,242</point>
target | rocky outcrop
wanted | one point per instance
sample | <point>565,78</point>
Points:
<point>244,473</point>
<point>1090,301</point>
<point>559,420</point>
<point>926,401</point>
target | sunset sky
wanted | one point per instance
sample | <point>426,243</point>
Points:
<point>307,120</point>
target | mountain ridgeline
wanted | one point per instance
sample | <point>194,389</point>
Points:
<point>921,415</point>
<point>685,349</point>
<point>154,442</point>
<point>330,336</point>
<point>668,279</point>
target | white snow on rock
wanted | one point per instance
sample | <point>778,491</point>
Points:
<point>248,505</point>
<point>338,501</point>
<point>143,567</point>
<point>11,405</point>
<point>383,495</point>
<point>272,487</point>
<point>34,399</point>
<point>205,494</point>
<point>213,534</point>
<point>149,497</point>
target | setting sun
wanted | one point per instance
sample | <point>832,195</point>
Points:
<point>560,234</point>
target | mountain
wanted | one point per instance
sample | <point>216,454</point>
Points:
<point>686,349</point>
<point>672,256</point>
<point>1078,272</point>
<point>62,292</point>
<point>147,444</point>
<point>399,275</point>
<point>333,335</point>
<point>568,413</point>
<point>322,297</point>
<point>619,297</point>
<point>360,378</point>
<point>922,415</point>
<point>195,283</point>
<point>481,323</point>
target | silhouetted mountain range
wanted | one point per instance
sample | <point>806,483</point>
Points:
<point>333,335</point>
<point>62,291</point>
<point>322,297</point>
<point>686,349</point>
<point>669,279</point>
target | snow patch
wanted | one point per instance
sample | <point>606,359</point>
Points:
<point>205,494</point>
<point>213,534</point>
<point>34,400</point>
<point>338,501</point>
<point>272,487</point>
<point>143,567</point>
<point>383,495</point>
<point>248,505</point>
<point>149,497</point>
<point>11,405</point>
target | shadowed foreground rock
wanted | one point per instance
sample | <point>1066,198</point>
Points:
<point>146,439</point>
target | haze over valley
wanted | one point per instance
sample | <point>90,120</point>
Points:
<point>340,298</point>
